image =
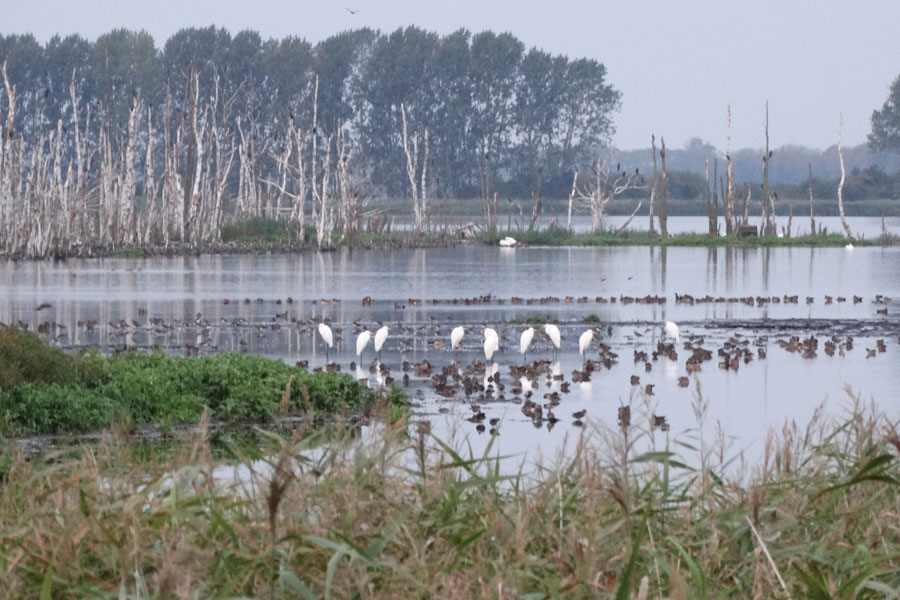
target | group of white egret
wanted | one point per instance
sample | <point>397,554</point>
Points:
<point>491,338</point>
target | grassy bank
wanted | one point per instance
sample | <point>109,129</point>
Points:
<point>270,232</point>
<point>400,517</point>
<point>45,390</point>
<point>564,237</point>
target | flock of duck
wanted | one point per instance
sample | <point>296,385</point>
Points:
<point>480,381</point>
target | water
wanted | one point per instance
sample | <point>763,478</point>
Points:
<point>268,303</point>
<point>865,227</point>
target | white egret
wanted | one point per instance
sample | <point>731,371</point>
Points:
<point>672,330</point>
<point>552,332</point>
<point>380,337</point>
<point>362,340</point>
<point>456,337</point>
<point>584,341</point>
<point>491,342</point>
<point>327,337</point>
<point>525,340</point>
<point>491,345</point>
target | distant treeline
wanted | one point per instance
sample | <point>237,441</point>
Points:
<point>495,110</point>
<point>870,174</point>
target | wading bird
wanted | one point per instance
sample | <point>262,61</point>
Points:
<point>327,337</point>
<point>672,330</point>
<point>525,341</point>
<point>552,332</point>
<point>361,342</point>
<point>456,337</point>
<point>584,341</point>
<point>380,337</point>
<point>491,342</point>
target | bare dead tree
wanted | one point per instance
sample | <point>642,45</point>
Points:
<point>729,174</point>
<point>768,205</point>
<point>490,215</point>
<point>150,186</point>
<point>417,177</point>
<point>536,205</point>
<point>711,222</point>
<point>127,233</point>
<point>572,193</point>
<point>812,218</point>
<point>654,183</point>
<point>191,181</point>
<point>714,220</point>
<point>745,209</point>
<point>663,191</point>
<point>786,231</point>
<point>637,208</point>
<point>603,186</point>
<point>222,142</point>
<point>841,183</point>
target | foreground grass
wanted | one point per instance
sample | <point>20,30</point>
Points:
<point>44,390</point>
<point>398,517</point>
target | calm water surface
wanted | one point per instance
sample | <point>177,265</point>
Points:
<point>268,303</point>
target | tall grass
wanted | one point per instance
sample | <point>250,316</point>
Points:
<point>630,513</point>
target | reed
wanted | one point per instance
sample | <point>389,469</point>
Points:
<point>629,513</point>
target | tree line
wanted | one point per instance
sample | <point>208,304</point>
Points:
<point>493,108</point>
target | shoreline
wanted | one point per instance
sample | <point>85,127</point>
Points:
<point>558,237</point>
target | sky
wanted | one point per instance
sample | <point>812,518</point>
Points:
<point>678,64</point>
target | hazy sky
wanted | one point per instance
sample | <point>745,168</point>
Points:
<point>677,64</point>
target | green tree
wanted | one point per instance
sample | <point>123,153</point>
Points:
<point>398,72</point>
<point>287,86</point>
<point>449,116</point>
<point>337,60</point>
<point>65,58</point>
<point>25,65</point>
<point>539,89</point>
<point>885,133</point>
<point>587,107</point>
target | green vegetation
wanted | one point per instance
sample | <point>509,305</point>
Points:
<point>563,237</point>
<point>269,233</point>
<point>44,390</point>
<point>259,230</point>
<point>386,518</point>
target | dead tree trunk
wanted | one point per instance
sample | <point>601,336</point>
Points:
<point>654,183</point>
<point>127,233</point>
<point>728,195</point>
<point>663,191</point>
<point>841,184</point>
<point>536,206</point>
<point>416,180</point>
<point>603,187</point>
<point>715,198</point>
<point>768,205</point>
<point>572,199</point>
<point>745,209</point>
<point>191,155</point>
<point>812,217</point>
<point>484,167</point>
